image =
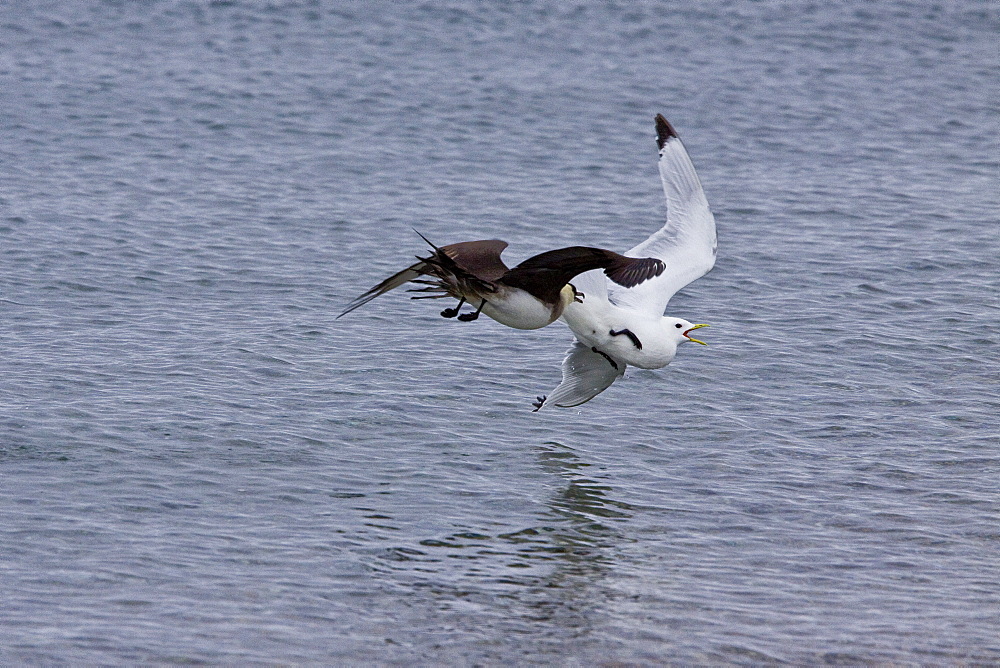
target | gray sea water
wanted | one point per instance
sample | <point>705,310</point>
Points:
<point>200,464</point>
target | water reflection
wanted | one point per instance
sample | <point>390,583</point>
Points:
<point>580,542</point>
<point>549,580</point>
<point>585,512</point>
<point>583,500</point>
<point>575,534</point>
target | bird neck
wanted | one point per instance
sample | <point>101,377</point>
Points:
<point>566,296</point>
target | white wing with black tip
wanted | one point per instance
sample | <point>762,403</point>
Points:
<point>686,243</point>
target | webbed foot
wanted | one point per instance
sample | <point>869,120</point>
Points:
<point>537,403</point>
<point>469,317</point>
<point>452,312</point>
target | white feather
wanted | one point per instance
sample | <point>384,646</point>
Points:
<point>686,243</point>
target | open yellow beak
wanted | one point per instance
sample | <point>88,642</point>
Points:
<point>695,340</point>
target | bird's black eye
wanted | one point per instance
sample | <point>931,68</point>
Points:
<point>678,325</point>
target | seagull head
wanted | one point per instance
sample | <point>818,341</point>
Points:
<point>682,329</point>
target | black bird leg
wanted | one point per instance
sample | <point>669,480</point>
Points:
<point>452,312</point>
<point>629,334</point>
<point>469,317</point>
<point>606,356</point>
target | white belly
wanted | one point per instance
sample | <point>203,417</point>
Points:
<point>518,309</point>
<point>593,327</point>
<point>656,351</point>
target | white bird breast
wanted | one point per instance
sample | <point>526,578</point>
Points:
<point>593,326</point>
<point>518,309</point>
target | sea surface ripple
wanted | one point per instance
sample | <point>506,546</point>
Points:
<point>200,464</point>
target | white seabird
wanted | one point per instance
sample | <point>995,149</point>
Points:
<point>620,325</point>
<point>531,295</point>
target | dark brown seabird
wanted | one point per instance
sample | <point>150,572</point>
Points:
<point>531,295</point>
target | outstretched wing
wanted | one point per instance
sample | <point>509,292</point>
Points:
<point>479,258</point>
<point>385,286</point>
<point>544,275</point>
<point>585,375</point>
<point>686,244</point>
<point>468,263</point>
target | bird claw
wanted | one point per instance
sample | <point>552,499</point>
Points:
<point>469,317</point>
<point>538,402</point>
<point>449,313</point>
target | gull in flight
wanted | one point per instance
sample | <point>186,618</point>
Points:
<point>617,325</point>
<point>531,295</point>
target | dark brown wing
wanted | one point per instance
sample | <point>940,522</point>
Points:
<point>629,272</point>
<point>545,274</point>
<point>467,269</point>
<point>391,283</point>
<point>479,258</point>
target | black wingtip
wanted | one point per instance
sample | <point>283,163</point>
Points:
<point>630,272</point>
<point>664,131</point>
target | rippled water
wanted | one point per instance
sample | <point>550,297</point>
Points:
<point>198,463</point>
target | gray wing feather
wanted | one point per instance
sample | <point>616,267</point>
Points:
<point>585,375</point>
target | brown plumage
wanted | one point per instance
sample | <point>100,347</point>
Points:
<point>472,271</point>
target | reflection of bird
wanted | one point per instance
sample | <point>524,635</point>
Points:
<point>531,295</point>
<point>620,325</point>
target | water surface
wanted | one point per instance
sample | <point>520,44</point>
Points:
<point>199,463</point>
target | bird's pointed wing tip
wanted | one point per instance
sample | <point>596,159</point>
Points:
<point>429,242</point>
<point>664,131</point>
<point>391,283</point>
<point>630,272</point>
